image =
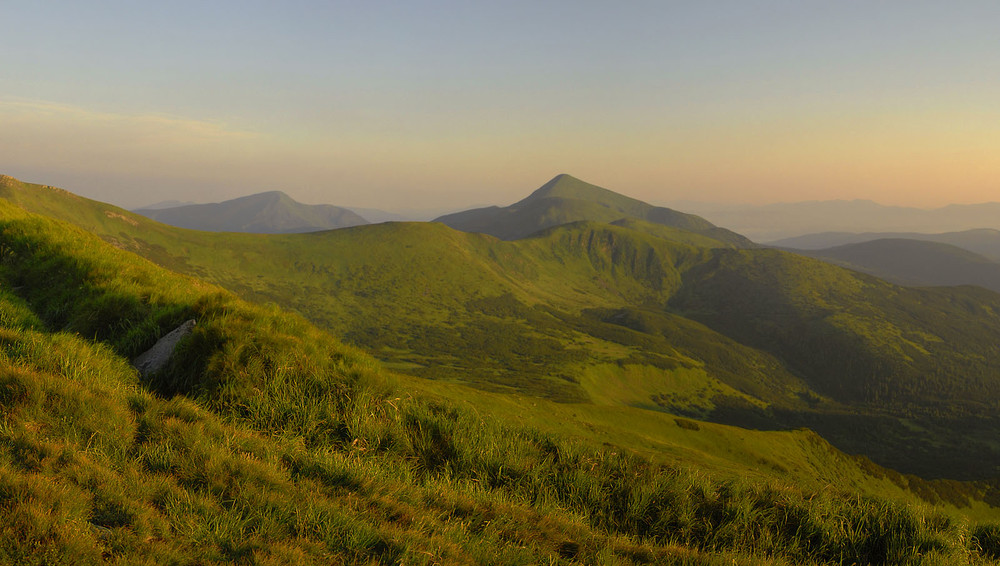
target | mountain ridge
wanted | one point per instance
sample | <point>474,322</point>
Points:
<point>566,199</point>
<point>269,212</point>
<point>915,262</point>
<point>771,222</point>
<point>982,241</point>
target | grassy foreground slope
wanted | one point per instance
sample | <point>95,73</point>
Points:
<point>268,442</point>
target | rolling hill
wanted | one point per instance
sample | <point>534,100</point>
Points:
<point>633,315</point>
<point>773,222</point>
<point>567,199</point>
<point>983,241</point>
<point>915,262</point>
<point>268,441</point>
<point>272,212</point>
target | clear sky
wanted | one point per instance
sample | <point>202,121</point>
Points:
<point>452,103</point>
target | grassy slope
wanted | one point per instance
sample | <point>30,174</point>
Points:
<point>286,447</point>
<point>406,302</point>
<point>925,356</point>
<point>428,303</point>
<point>577,313</point>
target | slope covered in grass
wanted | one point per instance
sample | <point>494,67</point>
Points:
<point>267,441</point>
<point>772,340</point>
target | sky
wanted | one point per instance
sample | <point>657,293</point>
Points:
<point>449,104</point>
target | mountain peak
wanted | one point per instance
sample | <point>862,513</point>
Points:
<point>569,187</point>
<point>264,197</point>
<point>565,199</point>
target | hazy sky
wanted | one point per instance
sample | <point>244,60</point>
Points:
<point>453,103</point>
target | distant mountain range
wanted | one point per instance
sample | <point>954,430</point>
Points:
<point>272,212</point>
<point>566,199</point>
<point>167,204</point>
<point>779,221</point>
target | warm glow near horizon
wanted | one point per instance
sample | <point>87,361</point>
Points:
<point>448,105</point>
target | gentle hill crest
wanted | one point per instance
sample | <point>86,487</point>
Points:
<point>915,262</point>
<point>272,212</point>
<point>772,222</point>
<point>982,241</point>
<point>567,199</point>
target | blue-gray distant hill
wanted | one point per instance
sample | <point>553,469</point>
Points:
<point>168,204</point>
<point>772,222</point>
<point>566,199</point>
<point>272,212</point>
<point>983,241</point>
<point>914,262</point>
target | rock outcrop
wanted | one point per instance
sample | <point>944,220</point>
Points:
<point>155,358</point>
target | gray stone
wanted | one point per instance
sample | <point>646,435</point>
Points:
<point>155,358</point>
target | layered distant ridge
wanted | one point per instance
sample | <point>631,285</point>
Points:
<point>272,212</point>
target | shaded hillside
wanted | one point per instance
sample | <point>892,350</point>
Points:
<point>566,199</point>
<point>928,356</point>
<point>983,241</point>
<point>915,262</point>
<point>267,441</point>
<point>265,213</point>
